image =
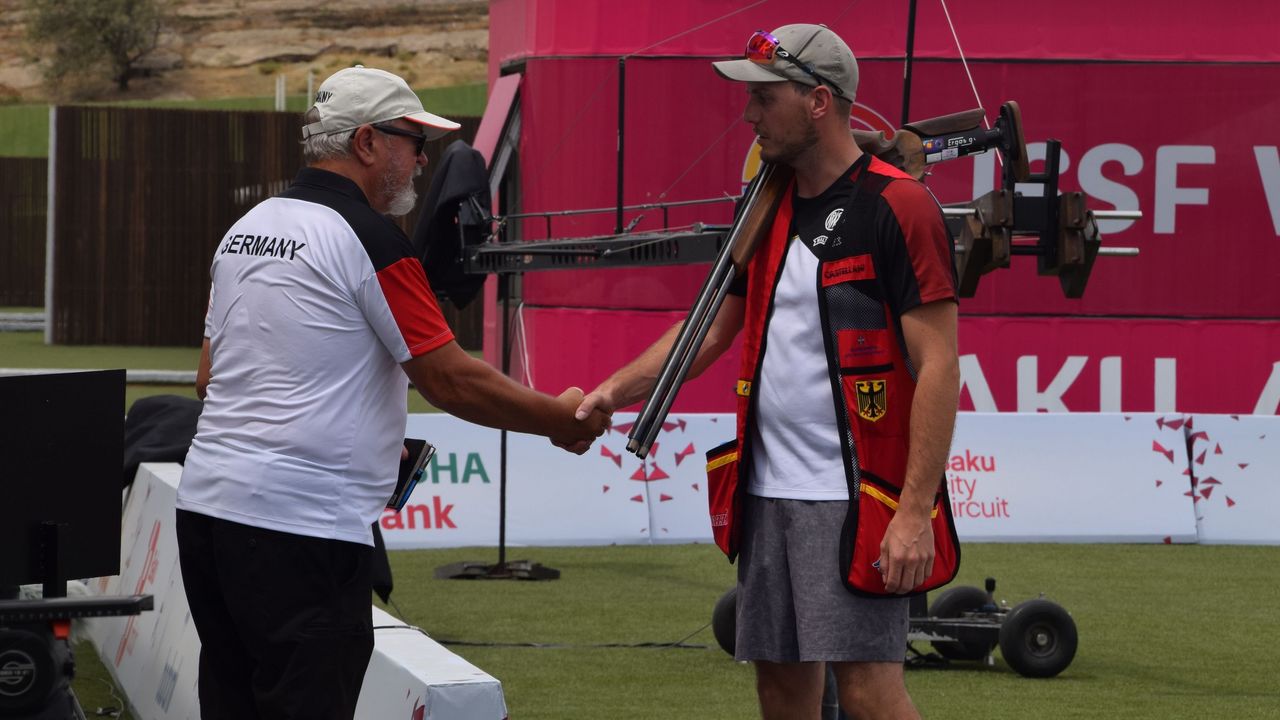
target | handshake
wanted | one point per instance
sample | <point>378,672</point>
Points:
<point>583,418</point>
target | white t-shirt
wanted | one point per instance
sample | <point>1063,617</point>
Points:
<point>316,299</point>
<point>795,449</point>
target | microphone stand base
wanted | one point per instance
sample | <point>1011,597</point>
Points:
<point>513,570</point>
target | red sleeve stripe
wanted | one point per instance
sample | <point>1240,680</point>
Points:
<point>927,239</point>
<point>413,306</point>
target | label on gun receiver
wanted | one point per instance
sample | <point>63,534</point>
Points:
<point>947,154</point>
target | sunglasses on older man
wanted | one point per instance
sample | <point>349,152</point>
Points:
<point>764,49</point>
<point>393,130</point>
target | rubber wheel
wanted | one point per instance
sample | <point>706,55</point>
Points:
<point>724,620</point>
<point>27,671</point>
<point>953,603</point>
<point>1038,639</point>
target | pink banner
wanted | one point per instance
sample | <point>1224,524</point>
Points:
<point>1106,365</point>
<point>1188,143</point>
<point>1208,188</point>
<point>1092,29</point>
<point>1007,364</point>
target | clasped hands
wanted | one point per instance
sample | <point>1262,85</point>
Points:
<point>585,421</point>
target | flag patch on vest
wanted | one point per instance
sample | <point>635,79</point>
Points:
<point>871,398</point>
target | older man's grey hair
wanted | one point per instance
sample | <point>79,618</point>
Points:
<point>324,147</point>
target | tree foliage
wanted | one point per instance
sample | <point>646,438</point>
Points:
<point>84,35</point>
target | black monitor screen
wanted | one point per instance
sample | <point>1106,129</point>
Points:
<point>61,450</point>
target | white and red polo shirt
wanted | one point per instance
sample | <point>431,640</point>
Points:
<point>316,300</point>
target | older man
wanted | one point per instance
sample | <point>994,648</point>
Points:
<point>317,312</point>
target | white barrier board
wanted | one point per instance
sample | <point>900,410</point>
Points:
<point>1070,477</point>
<point>554,497</point>
<point>154,656</point>
<point>1012,478</point>
<point>1236,465</point>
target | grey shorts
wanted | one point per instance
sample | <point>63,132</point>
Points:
<point>792,604</point>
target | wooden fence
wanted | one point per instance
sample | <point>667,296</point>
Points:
<point>142,197</point>
<point>23,200</point>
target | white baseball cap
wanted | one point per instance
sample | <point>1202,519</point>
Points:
<point>359,96</point>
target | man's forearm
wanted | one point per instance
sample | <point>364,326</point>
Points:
<point>484,396</point>
<point>635,380</point>
<point>933,417</point>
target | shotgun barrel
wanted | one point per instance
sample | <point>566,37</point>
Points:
<point>749,227</point>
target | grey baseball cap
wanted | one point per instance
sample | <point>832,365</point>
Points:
<point>814,46</point>
<point>359,95</point>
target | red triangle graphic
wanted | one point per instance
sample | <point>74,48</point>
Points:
<point>680,456</point>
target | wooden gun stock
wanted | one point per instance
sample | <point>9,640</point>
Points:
<point>924,142</point>
<point>757,218</point>
<point>905,150</point>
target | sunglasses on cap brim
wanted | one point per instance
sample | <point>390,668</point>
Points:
<point>764,49</point>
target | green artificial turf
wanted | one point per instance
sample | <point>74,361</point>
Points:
<point>27,350</point>
<point>26,127</point>
<point>26,131</point>
<point>1165,632</point>
<point>94,688</point>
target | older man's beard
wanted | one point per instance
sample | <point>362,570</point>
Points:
<point>403,194</point>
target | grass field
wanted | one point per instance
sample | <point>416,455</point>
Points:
<point>1166,632</point>
<point>26,131</point>
<point>26,127</point>
<point>27,350</point>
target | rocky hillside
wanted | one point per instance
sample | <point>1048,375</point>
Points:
<point>235,48</point>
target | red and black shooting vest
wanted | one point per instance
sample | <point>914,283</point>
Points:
<point>897,254</point>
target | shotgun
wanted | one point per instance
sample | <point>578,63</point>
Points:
<point>750,226</point>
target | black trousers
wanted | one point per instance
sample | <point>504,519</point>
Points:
<point>284,620</point>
